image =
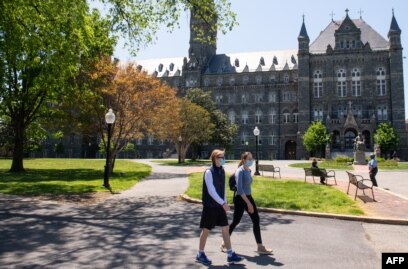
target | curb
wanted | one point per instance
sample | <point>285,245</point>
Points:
<point>390,221</point>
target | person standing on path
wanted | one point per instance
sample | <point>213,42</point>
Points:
<point>243,201</point>
<point>215,208</point>
<point>373,169</point>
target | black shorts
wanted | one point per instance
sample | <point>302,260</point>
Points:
<point>213,216</point>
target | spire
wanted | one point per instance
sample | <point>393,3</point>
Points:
<point>394,25</point>
<point>303,32</point>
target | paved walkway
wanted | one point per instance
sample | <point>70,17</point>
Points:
<point>146,227</point>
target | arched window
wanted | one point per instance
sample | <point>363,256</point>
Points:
<point>317,84</point>
<point>356,82</point>
<point>381,86</point>
<point>341,83</point>
<point>349,137</point>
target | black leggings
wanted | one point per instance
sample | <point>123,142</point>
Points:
<point>239,207</point>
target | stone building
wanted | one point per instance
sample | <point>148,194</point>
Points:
<point>349,77</point>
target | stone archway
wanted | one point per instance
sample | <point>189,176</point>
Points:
<point>290,150</point>
<point>349,136</point>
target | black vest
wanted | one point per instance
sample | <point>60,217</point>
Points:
<point>218,175</point>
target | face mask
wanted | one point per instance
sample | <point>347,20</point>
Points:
<point>222,162</point>
<point>249,163</point>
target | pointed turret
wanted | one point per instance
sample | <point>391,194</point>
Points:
<point>303,38</point>
<point>394,34</point>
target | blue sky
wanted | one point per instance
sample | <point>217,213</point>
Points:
<point>275,24</point>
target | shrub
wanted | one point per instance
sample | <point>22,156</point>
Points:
<point>344,159</point>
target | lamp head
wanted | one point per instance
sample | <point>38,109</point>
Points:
<point>110,117</point>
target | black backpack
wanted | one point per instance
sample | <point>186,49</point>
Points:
<point>232,183</point>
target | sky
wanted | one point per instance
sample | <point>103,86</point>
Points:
<point>275,24</point>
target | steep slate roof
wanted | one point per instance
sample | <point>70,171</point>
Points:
<point>368,34</point>
<point>394,25</point>
<point>152,65</point>
<point>225,63</point>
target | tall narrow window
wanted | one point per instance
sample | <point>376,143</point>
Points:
<point>272,97</point>
<point>272,116</point>
<point>356,82</point>
<point>382,112</point>
<point>286,116</point>
<point>317,84</point>
<point>318,114</point>
<point>258,116</point>
<point>244,117</point>
<point>341,83</point>
<point>381,86</point>
<point>295,116</point>
<point>231,117</point>
<point>244,138</point>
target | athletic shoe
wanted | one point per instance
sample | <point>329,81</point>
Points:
<point>234,258</point>
<point>201,258</point>
<point>262,250</point>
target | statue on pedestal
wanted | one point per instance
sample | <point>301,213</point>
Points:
<point>359,150</point>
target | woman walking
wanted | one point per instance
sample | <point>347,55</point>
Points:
<point>243,201</point>
<point>215,208</point>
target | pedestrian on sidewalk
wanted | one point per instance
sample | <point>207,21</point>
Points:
<point>215,208</point>
<point>314,165</point>
<point>243,201</point>
<point>373,169</point>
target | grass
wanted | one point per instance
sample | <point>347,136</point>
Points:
<point>324,164</point>
<point>289,194</point>
<point>68,176</point>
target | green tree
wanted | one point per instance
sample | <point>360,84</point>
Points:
<point>196,127</point>
<point>138,21</point>
<point>226,132</point>
<point>386,136</point>
<point>41,46</point>
<point>316,138</point>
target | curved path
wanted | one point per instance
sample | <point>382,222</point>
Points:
<point>147,227</point>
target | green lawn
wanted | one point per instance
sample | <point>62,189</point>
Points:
<point>68,176</point>
<point>324,164</point>
<point>289,194</point>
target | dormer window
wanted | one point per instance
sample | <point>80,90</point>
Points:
<point>160,67</point>
<point>262,61</point>
<point>236,62</point>
<point>171,66</point>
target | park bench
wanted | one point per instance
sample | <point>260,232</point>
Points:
<point>269,168</point>
<point>320,172</point>
<point>360,183</point>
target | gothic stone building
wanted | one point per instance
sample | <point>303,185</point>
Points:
<point>349,77</point>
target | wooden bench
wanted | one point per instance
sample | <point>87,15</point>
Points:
<point>320,172</point>
<point>360,183</point>
<point>269,168</point>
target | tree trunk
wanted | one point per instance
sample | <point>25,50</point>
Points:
<point>18,151</point>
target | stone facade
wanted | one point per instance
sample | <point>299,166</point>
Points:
<point>350,78</point>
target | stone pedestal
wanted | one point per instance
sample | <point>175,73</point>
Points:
<point>359,158</point>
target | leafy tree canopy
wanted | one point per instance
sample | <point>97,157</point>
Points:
<point>316,137</point>
<point>386,136</point>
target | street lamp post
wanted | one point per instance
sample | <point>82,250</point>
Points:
<point>179,148</point>
<point>256,134</point>
<point>110,119</point>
